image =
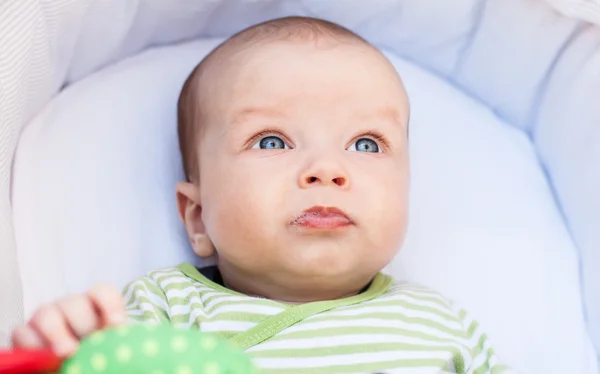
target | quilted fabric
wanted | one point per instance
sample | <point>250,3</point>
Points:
<point>45,44</point>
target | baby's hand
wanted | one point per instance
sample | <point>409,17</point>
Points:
<point>61,325</point>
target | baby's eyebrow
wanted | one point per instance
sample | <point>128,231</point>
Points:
<point>246,113</point>
<point>387,114</point>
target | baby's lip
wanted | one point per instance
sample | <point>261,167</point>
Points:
<point>322,218</point>
<point>325,210</point>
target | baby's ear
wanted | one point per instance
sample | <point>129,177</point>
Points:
<point>190,213</point>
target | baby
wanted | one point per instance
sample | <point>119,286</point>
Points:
<point>294,140</point>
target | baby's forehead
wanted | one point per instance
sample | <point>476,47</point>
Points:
<point>248,88</point>
<point>278,61</point>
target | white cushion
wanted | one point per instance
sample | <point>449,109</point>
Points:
<point>94,184</point>
<point>567,136</point>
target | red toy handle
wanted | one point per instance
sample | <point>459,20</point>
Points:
<point>28,361</point>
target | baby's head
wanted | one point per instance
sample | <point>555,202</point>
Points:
<point>293,136</point>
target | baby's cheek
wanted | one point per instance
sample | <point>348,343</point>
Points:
<point>240,212</point>
<point>387,216</point>
<point>396,218</point>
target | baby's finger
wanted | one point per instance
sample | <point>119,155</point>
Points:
<point>109,303</point>
<point>80,315</point>
<point>26,337</point>
<point>52,326</point>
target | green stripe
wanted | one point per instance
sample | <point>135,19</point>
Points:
<point>180,301</point>
<point>219,296</point>
<point>149,316</point>
<point>370,367</point>
<point>363,330</point>
<point>201,296</point>
<point>182,285</point>
<point>242,304</point>
<point>186,301</point>
<point>499,369</point>
<point>408,286</point>
<point>185,318</point>
<point>239,317</point>
<point>459,364</point>
<point>389,317</point>
<point>185,283</point>
<point>352,349</point>
<point>472,329</point>
<point>402,304</point>
<point>226,334</point>
<point>424,298</point>
<point>153,288</point>
<point>161,275</point>
<point>411,288</point>
<point>223,317</point>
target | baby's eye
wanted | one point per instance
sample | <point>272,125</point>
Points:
<point>270,142</point>
<point>364,145</point>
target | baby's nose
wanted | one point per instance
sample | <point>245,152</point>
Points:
<point>323,173</point>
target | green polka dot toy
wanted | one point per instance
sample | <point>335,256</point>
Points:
<point>156,349</point>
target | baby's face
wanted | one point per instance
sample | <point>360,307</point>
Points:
<point>304,168</point>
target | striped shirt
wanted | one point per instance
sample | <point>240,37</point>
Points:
<point>388,328</point>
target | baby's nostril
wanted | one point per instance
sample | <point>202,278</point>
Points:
<point>339,181</point>
<point>312,179</point>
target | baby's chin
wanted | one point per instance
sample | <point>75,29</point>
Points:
<point>328,260</point>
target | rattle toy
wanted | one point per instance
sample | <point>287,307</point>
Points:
<point>136,349</point>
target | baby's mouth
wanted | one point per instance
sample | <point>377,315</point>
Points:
<point>322,218</point>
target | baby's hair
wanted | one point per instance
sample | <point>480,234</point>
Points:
<point>190,113</point>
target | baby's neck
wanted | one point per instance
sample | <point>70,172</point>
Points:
<point>305,291</point>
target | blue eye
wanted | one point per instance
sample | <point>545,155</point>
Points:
<point>270,142</point>
<point>364,145</point>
